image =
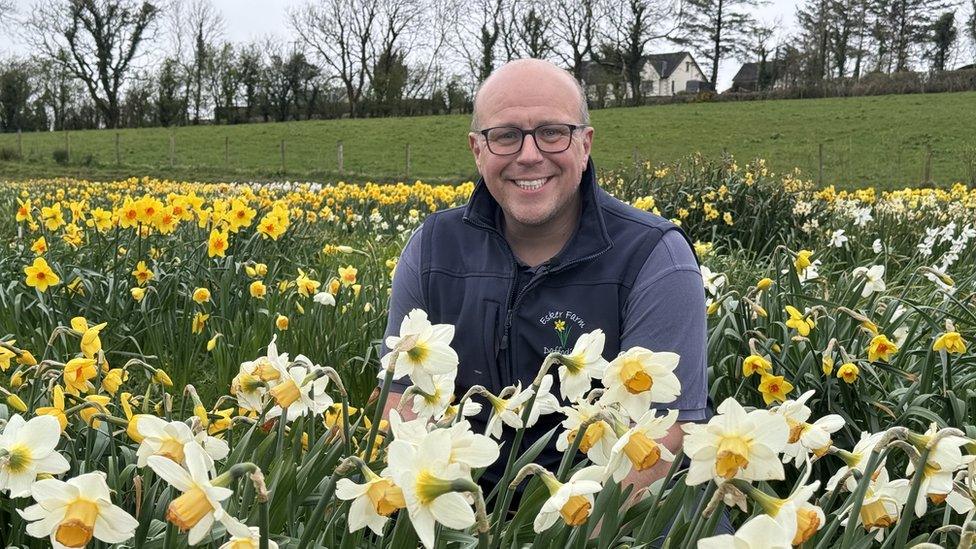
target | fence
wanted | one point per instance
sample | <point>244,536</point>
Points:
<point>837,162</point>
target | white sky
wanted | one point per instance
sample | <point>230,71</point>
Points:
<point>247,20</point>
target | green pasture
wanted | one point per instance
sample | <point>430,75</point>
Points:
<point>885,141</point>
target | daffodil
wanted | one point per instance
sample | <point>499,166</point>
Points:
<point>638,447</point>
<point>217,243</point>
<point>584,363</point>
<point>774,388</point>
<point>423,351</point>
<point>281,322</point>
<point>201,295</point>
<point>802,261</point>
<point>305,285</point>
<point>72,513</point>
<point>429,484</point>
<point>170,440</point>
<point>874,279</point>
<point>799,322</point>
<point>372,502</point>
<point>434,404</point>
<point>27,449</point>
<point>599,437</point>
<point>572,501</point>
<point>849,372</point>
<point>639,377</point>
<point>196,509</point>
<point>138,293</point>
<point>77,375</point>
<point>805,437</point>
<point>257,289</point>
<point>507,411</point>
<point>944,459</point>
<point>142,274</point>
<point>295,394</point>
<point>760,532</point>
<point>881,348</point>
<point>40,275</point>
<point>856,459</point>
<point>736,444</point>
<point>56,409</point>
<point>324,298</point>
<point>250,541</point>
<point>950,342</point>
<point>91,344</point>
<point>756,363</point>
<point>347,275</point>
<point>882,503</point>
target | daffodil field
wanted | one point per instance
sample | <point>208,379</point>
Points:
<point>187,363</point>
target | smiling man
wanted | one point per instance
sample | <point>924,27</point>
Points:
<point>540,254</point>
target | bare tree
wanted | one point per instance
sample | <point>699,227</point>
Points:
<point>529,30</point>
<point>484,20</point>
<point>96,40</point>
<point>574,23</point>
<point>632,26</point>
<point>6,8</point>
<point>341,32</point>
<point>718,29</point>
<point>195,27</point>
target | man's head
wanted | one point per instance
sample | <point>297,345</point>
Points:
<point>526,94</point>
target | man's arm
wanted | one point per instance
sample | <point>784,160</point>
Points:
<point>392,401</point>
<point>666,312</point>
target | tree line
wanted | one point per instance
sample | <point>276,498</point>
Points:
<point>135,63</point>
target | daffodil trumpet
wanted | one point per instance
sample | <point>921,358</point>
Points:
<point>567,460</point>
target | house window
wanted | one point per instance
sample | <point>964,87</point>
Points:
<point>672,87</point>
<point>687,66</point>
<point>647,87</point>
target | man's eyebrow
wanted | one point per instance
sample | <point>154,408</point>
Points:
<point>543,122</point>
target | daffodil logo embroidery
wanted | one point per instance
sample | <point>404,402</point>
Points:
<point>562,324</point>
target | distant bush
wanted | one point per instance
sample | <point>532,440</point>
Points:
<point>60,156</point>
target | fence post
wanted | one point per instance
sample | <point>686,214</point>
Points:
<point>20,145</point>
<point>172,148</point>
<point>226,151</point>
<point>408,162</point>
<point>282,156</point>
<point>67,145</point>
<point>118,155</point>
<point>339,156</point>
<point>927,173</point>
<point>820,178</point>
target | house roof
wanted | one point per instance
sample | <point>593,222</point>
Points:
<point>748,72</point>
<point>666,63</point>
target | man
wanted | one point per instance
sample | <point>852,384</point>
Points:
<point>540,255</point>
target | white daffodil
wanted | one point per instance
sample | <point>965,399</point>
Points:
<point>251,383</point>
<point>798,518</point>
<point>424,351</point>
<point>712,281</point>
<point>572,501</point>
<point>412,432</point>
<point>251,541</point>
<point>169,439</point>
<point>27,450</point>
<point>584,363</point>
<point>639,377</point>
<point>297,394</point>
<point>874,279</point>
<point>372,502</point>
<point>806,437</point>
<point>199,506</point>
<point>638,447</point>
<point>838,239</point>
<point>599,437</point>
<point>736,444</point>
<point>471,408</point>
<point>427,480</point>
<point>761,532</point>
<point>72,513</point>
<point>940,467</point>
<point>882,503</point>
<point>877,246</point>
<point>434,404</point>
<point>469,449</point>
<point>857,459</point>
<point>324,298</point>
<point>509,410</point>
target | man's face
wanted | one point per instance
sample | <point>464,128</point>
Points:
<point>527,98</point>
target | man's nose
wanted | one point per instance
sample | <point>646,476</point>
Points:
<point>530,153</point>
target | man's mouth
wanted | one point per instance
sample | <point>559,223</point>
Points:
<point>531,184</point>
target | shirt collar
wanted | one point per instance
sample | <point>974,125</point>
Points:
<point>590,236</point>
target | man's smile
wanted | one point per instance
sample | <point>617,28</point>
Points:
<point>531,185</point>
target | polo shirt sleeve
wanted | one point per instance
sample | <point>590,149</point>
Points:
<point>665,311</point>
<point>407,295</point>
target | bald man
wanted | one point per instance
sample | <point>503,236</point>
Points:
<point>540,254</point>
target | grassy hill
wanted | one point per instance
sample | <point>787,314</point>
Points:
<point>882,141</point>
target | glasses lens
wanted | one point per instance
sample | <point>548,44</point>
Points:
<point>553,138</point>
<point>504,140</point>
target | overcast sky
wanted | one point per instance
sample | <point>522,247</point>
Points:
<point>253,19</point>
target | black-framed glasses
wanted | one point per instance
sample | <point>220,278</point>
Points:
<point>549,138</point>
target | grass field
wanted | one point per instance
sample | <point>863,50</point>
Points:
<point>881,141</point>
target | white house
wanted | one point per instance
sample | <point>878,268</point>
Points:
<point>665,74</point>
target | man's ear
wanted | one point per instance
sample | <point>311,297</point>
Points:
<point>587,145</point>
<point>475,145</point>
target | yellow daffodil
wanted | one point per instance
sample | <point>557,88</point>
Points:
<point>799,322</point>
<point>56,409</point>
<point>774,388</point>
<point>281,322</point>
<point>217,243</point>
<point>347,275</point>
<point>848,372</point>
<point>756,363</point>
<point>77,375</point>
<point>142,274</point>
<point>950,342</point>
<point>201,295</point>
<point>199,322</point>
<point>257,289</point>
<point>40,275</point>
<point>91,344</point>
<point>881,348</point>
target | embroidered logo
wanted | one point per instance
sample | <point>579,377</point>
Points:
<point>562,323</point>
